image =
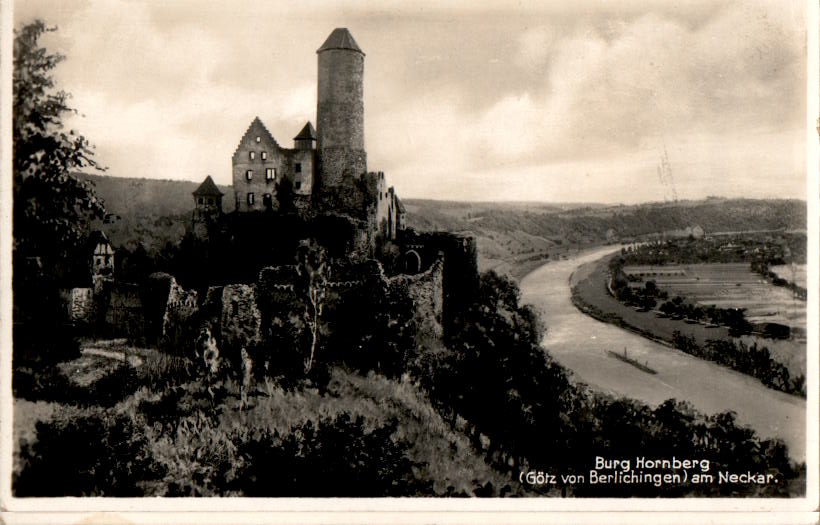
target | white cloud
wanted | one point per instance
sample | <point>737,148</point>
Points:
<point>512,105</point>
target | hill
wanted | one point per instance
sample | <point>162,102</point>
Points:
<point>146,197</point>
<point>513,237</point>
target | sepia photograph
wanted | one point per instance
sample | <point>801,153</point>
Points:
<point>404,257</point>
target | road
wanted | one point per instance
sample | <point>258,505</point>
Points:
<point>580,343</point>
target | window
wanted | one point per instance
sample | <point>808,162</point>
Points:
<point>270,174</point>
<point>249,174</point>
<point>199,200</point>
<point>252,155</point>
<point>298,167</point>
<point>250,198</point>
<point>264,155</point>
<point>258,139</point>
<point>297,184</point>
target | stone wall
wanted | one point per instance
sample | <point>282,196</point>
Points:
<point>124,315</point>
<point>427,293</point>
<point>179,323</point>
<point>241,321</point>
<point>460,270</point>
<point>81,305</point>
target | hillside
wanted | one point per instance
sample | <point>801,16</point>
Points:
<point>513,238</point>
<point>145,197</point>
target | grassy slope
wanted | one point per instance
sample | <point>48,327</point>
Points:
<point>446,456</point>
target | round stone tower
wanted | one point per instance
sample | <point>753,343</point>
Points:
<point>340,112</point>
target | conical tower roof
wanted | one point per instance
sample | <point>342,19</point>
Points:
<point>340,38</point>
<point>307,133</point>
<point>208,188</point>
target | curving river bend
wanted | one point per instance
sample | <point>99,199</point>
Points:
<point>580,343</point>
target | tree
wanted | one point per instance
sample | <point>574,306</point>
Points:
<point>52,207</point>
<point>313,271</point>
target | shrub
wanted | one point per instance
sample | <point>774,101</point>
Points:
<point>100,454</point>
<point>338,457</point>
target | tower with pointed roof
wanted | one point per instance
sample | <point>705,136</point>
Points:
<point>207,208</point>
<point>340,113</point>
<point>207,199</point>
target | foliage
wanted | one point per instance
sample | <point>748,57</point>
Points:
<point>338,457</point>
<point>49,383</point>
<point>100,454</point>
<point>753,360</point>
<point>762,267</point>
<point>285,196</point>
<point>52,207</point>
<point>313,274</point>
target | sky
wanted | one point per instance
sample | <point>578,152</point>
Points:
<point>529,101</point>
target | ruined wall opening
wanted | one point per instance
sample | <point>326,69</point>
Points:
<point>412,262</point>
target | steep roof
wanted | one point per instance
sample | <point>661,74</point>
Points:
<point>256,128</point>
<point>98,237</point>
<point>340,38</point>
<point>208,188</point>
<point>307,133</point>
<point>400,206</point>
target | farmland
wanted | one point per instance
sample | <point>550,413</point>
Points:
<point>725,285</point>
<point>591,292</point>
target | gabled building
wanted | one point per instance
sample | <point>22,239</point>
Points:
<point>102,254</point>
<point>260,166</point>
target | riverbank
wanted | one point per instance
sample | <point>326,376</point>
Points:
<point>581,344</point>
<point>590,295</point>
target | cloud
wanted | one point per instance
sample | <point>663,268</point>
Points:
<point>460,101</point>
<point>619,95</point>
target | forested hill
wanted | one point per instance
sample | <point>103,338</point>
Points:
<point>513,237</point>
<point>146,197</point>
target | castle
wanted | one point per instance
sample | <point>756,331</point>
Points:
<point>245,288</point>
<point>325,173</point>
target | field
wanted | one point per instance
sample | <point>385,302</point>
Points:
<point>727,285</point>
<point>591,289</point>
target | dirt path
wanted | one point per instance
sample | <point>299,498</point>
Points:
<point>581,344</point>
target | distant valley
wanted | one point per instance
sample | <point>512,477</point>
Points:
<point>513,238</point>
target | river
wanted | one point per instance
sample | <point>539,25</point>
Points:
<point>581,344</point>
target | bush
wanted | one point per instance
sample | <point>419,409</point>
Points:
<point>101,454</point>
<point>338,457</point>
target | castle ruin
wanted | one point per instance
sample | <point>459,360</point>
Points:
<point>252,289</point>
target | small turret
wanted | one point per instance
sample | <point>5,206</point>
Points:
<point>306,138</point>
<point>207,199</point>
